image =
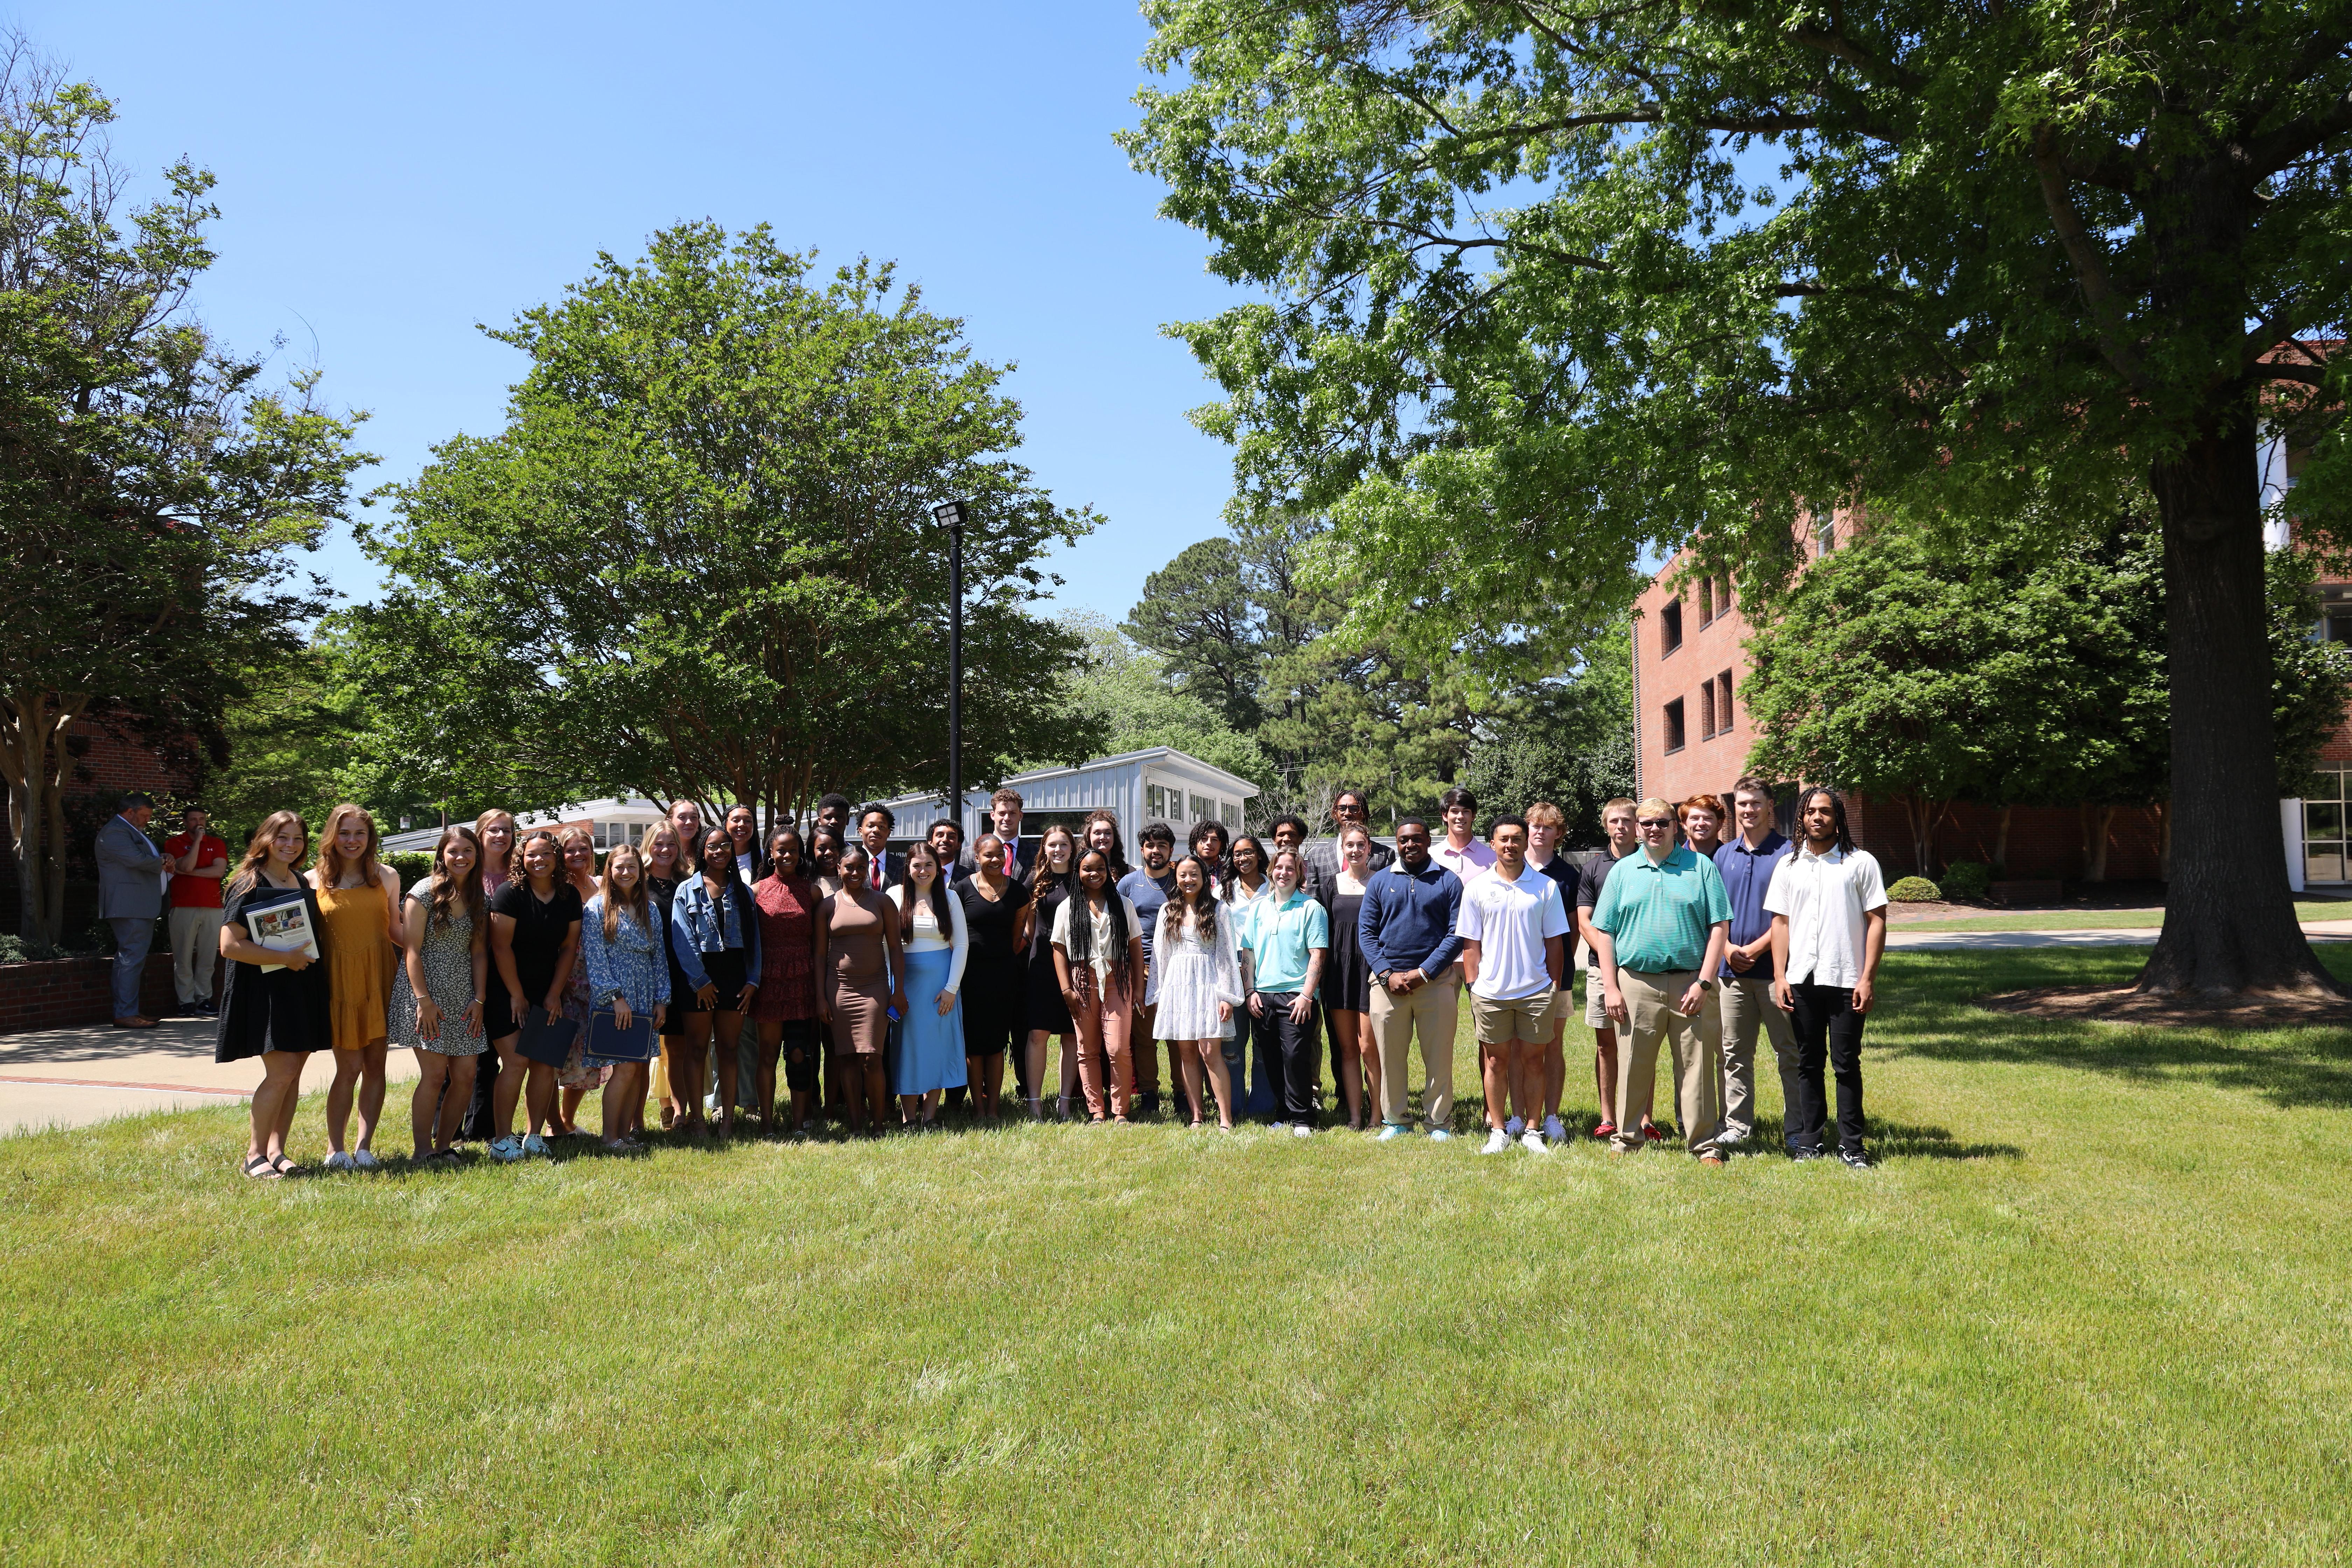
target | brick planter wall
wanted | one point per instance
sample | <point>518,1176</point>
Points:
<point>68,992</point>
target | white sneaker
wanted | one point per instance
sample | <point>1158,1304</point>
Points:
<point>365,1160</point>
<point>1515,1126</point>
<point>505,1150</point>
<point>534,1144</point>
<point>1555,1130</point>
<point>1496,1141</point>
<point>1302,1130</point>
<point>1440,1135</point>
<point>1532,1142</point>
<point>1390,1133</point>
<point>339,1160</point>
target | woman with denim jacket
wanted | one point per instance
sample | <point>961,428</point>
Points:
<point>715,932</point>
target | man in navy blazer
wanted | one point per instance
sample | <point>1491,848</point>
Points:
<point>130,897</point>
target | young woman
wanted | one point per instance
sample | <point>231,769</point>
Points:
<point>996,925</point>
<point>715,932</point>
<point>824,859</point>
<point>860,967</point>
<point>1196,983</point>
<point>575,1077</point>
<point>534,932</point>
<point>1098,959</point>
<point>495,829</point>
<point>1289,936</point>
<point>743,832</point>
<point>280,1013</point>
<point>657,848</point>
<point>1347,981</point>
<point>1100,833</point>
<point>360,897</point>
<point>785,1009</point>
<point>628,971</point>
<point>1247,880</point>
<point>1245,883</point>
<point>436,998</point>
<point>1050,881</point>
<point>938,944</point>
<point>686,821</point>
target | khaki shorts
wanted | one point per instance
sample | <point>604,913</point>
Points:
<point>1518,1018</point>
<point>1596,999</point>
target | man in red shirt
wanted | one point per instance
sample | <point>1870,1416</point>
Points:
<point>197,861</point>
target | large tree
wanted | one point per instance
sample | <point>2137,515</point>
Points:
<point>700,562</point>
<point>153,490</point>
<point>1553,282</point>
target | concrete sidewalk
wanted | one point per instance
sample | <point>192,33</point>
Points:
<point>1928,939</point>
<point>71,1077</point>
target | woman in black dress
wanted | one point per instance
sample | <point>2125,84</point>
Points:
<point>995,977</point>
<point>1050,879</point>
<point>534,932</point>
<point>1347,981</point>
<point>281,1014</point>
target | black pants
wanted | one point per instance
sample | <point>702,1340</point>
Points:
<point>1825,1024</point>
<point>1298,1049</point>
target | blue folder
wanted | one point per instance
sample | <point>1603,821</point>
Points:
<point>608,1039</point>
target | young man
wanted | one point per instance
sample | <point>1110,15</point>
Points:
<point>1149,889</point>
<point>1289,832</point>
<point>1546,824</point>
<point>197,860</point>
<point>1662,925</point>
<point>1407,932</point>
<point>130,897</point>
<point>1702,823</point>
<point>1514,956</point>
<point>832,811</point>
<point>1745,863</point>
<point>1460,851</point>
<point>1617,821</point>
<point>1349,808</point>
<point>874,829</point>
<point>946,839</point>
<point>1829,930</point>
<point>1004,815</point>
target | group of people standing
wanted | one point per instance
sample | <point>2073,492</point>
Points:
<point>885,984</point>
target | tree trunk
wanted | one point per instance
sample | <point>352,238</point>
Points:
<point>2102,821</point>
<point>2228,918</point>
<point>2000,843</point>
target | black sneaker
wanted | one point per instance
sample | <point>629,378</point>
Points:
<point>1148,1103</point>
<point>1802,1155</point>
<point>1855,1158</point>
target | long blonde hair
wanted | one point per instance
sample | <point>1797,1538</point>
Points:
<point>455,892</point>
<point>640,898</point>
<point>330,863</point>
<point>257,849</point>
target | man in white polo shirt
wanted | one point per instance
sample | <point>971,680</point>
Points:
<point>1513,926</point>
<point>1829,928</point>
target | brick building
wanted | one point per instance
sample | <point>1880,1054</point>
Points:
<point>112,755</point>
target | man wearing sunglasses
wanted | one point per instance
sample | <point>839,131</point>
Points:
<point>1661,927</point>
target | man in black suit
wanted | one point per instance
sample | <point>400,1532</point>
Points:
<point>1004,818</point>
<point>946,839</point>
<point>875,824</point>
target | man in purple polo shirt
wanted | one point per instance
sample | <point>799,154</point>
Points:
<point>1746,863</point>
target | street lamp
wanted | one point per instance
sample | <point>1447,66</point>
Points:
<point>950,515</point>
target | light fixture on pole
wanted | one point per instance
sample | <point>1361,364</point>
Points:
<point>950,515</point>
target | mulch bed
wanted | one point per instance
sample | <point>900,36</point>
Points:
<point>2107,1004</point>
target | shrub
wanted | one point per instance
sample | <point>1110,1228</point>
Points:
<point>412,866</point>
<point>1966,879</point>
<point>12,949</point>
<point>1915,890</point>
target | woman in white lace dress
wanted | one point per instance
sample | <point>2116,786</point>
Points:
<point>1196,983</point>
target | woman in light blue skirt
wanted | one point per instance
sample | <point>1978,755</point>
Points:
<point>930,1037</point>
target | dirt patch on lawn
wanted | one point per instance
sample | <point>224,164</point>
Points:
<point>2243,1009</point>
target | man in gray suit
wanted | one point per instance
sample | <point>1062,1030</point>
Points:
<point>130,897</point>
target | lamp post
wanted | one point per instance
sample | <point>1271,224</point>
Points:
<point>949,514</point>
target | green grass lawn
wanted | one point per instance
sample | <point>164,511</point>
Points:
<point>2102,920</point>
<point>2094,1307</point>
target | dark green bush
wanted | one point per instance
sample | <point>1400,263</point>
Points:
<point>1966,879</point>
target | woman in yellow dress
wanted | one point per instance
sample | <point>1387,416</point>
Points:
<point>358,896</point>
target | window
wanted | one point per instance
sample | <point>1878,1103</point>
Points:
<point>1706,711</point>
<point>2323,828</point>
<point>1674,725</point>
<point>1670,626</point>
<point>1162,804</point>
<point>1723,594</point>
<point>1204,809</point>
<point>1706,600</point>
<point>1824,534</point>
<point>1723,703</point>
<point>1231,815</point>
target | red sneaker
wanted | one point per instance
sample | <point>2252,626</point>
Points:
<point>1650,1130</point>
<point>1606,1130</point>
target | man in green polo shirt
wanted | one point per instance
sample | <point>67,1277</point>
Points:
<point>1661,927</point>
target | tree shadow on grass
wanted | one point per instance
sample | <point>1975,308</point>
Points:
<point>1929,1010</point>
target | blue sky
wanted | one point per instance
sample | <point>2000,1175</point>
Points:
<point>390,176</point>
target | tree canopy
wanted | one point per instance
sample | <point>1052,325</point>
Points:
<point>1549,283</point>
<point>700,561</point>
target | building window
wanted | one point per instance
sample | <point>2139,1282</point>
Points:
<point>1824,534</point>
<point>1670,626</point>
<point>1706,711</point>
<point>1723,703</point>
<point>1231,815</point>
<point>1706,600</point>
<point>1674,725</point>
<point>1162,804</point>
<point>2323,828</point>
<point>1204,809</point>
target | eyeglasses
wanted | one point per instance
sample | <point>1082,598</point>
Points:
<point>1657,822</point>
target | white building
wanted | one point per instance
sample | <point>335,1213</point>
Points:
<point>1160,785</point>
<point>612,821</point>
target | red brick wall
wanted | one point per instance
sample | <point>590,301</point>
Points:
<point>2045,842</point>
<point>73,992</point>
<point>109,758</point>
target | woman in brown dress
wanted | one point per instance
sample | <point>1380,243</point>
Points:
<point>860,970</point>
<point>785,1008</point>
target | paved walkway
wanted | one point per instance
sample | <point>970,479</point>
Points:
<point>70,1078</point>
<point>1927,939</point>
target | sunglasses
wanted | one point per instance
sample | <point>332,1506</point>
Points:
<point>1655,822</point>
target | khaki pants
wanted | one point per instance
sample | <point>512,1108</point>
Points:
<point>1748,1006</point>
<point>1695,1044</point>
<point>195,948</point>
<point>1433,1010</point>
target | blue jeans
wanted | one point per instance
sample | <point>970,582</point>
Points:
<point>132,940</point>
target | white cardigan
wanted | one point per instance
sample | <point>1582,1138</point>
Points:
<point>927,938</point>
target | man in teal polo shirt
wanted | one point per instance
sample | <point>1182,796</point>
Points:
<point>1661,927</point>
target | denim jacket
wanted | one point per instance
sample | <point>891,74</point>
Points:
<point>699,924</point>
